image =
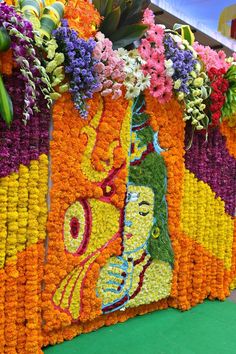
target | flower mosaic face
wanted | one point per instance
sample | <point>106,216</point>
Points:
<point>143,272</point>
<point>139,214</point>
<point>140,270</point>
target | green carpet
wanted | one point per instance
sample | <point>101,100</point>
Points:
<point>209,328</point>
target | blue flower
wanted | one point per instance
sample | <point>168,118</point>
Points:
<point>183,62</point>
<point>79,65</point>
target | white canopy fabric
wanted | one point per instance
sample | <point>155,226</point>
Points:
<point>205,11</point>
<point>200,14</point>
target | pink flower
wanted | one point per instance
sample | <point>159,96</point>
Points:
<point>210,57</point>
<point>99,67</point>
<point>168,84</point>
<point>148,17</point>
<point>100,36</point>
<point>106,92</point>
<point>157,67</point>
<point>104,56</point>
<point>122,77</point>
<point>117,86</point>
<point>117,94</point>
<point>157,90</point>
<point>146,69</point>
<point>158,80</point>
<point>156,34</point>
<point>110,68</point>
<point>159,57</point>
<point>165,97</point>
<point>97,53</point>
<point>107,83</point>
<point>153,52</point>
<point>107,71</point>
<point>115,74</point>
<point>145,49</point>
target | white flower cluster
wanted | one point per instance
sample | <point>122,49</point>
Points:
<point>135,81</point>
<point>169,67</point>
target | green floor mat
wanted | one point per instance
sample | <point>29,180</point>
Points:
<point>209,328</point>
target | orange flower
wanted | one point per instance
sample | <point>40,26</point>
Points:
<point>6,62</point>
<point>83,17</point>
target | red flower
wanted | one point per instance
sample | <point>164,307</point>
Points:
<point>219,87</point>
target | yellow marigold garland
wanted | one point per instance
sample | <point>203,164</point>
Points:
<point>23,213</point>
<point>3,218</point>
<point>23,196</point>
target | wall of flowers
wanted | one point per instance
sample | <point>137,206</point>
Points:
<point>117,169</point>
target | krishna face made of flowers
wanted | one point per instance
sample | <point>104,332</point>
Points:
<point>143,272</point>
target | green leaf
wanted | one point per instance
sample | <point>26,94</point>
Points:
<point>6,107</point>
<point>122,4</point>
<point>177,26</point>
<point>97,5</point>
<point>101,6</point>
<point>47,26</point>
<point>205,121</point>
<point>109,7</point>
<point>186,32</point>
<point>5,40</point>
<point>111,22</point>
<point>127,35</point>
<point>58,8</point>
<point>134,13</point>
<point>31,6</point>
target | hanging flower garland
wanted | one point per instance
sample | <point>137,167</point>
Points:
<point>32,73</point>
<point>152,51</point>
<point>136,80</point>
<point>184,62</point>
<point>164,62</point>
<point>79,65</point>
<point>109,68</point>
<point>211,58</point>
<point>219,86</point>
<point>229,107</point>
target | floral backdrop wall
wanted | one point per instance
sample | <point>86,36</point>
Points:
<point>23,213</point>
<point>128,205</point>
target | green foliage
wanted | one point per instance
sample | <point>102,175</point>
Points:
<point>229,108</point>
<point>55,69</point>
<point>44,19</point>
<point>151,172</point>
<point>5,40</point>
<point>6,108</point>
<point>122,19</point>
<point>111,21</point>
<point>51,18</point>
<point>127,35</point>
<point>186,32</point>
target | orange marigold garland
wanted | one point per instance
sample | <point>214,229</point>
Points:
<point>88,164</point>
<point>23,213</point>
<point>159,123</point>
<point>89,174</point>
<point>230,134</point>
<point>6,62</point>
<point>83,17</point>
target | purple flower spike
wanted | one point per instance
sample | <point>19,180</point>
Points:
<point>79,65</point>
